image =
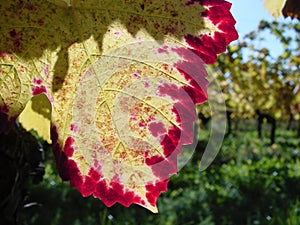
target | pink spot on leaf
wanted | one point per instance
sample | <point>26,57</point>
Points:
<point>133,117</point>
<point>38,90</point>
<point>157,128</point>
<point>46,70</point>
<point>142,124</point>
<point>137,74</point>
<point>117,33</point>
<point>74,128</point>
<point>37,81</point>
<point>146,84</point>
<point>150,118</point>
<point>163,49</point>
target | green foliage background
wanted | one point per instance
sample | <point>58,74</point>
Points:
<point>250,182</point>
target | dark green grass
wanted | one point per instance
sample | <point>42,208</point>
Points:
<point>249,182</point>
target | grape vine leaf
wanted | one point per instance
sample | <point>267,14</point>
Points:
<point>122,77</point>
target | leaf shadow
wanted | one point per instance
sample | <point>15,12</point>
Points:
<point>29,28</point>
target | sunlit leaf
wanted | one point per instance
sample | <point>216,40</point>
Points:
<point>287,8</point>
<point>123,78</point>
<point>37,115</point>
<point>274,7</point>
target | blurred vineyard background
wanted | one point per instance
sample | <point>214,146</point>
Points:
<point>255,178</point>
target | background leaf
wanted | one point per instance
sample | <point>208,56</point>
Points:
<point>274,7</point>
<point>37,115</point>
<point>287,8</point>
<point>292,9</point>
